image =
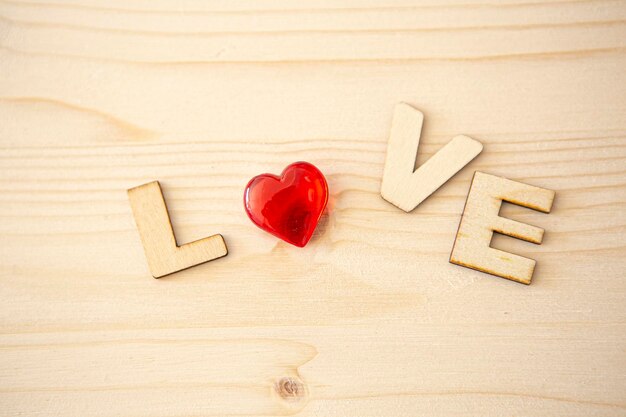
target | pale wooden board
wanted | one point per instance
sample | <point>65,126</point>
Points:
<point>371,318</point>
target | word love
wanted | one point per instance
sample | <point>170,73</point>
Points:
<point>289,206</point>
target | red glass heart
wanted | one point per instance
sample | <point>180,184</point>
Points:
<point>288,206</point>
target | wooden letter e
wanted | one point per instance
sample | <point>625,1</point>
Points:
<point>481,218</point>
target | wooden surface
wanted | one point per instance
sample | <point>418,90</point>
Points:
<point>370,319</point>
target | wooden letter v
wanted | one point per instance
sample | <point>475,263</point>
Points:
<point>402,185</point>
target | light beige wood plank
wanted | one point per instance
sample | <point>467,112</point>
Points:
<point>481,219</point>
<point>97,97</point>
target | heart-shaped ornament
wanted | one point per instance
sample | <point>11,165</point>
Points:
<point>288,206</point>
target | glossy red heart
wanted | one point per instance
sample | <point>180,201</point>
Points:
<point>288,206</point>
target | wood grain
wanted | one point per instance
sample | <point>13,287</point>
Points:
<point>369,319</point>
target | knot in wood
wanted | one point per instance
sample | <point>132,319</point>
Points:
<point>290,388</point>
